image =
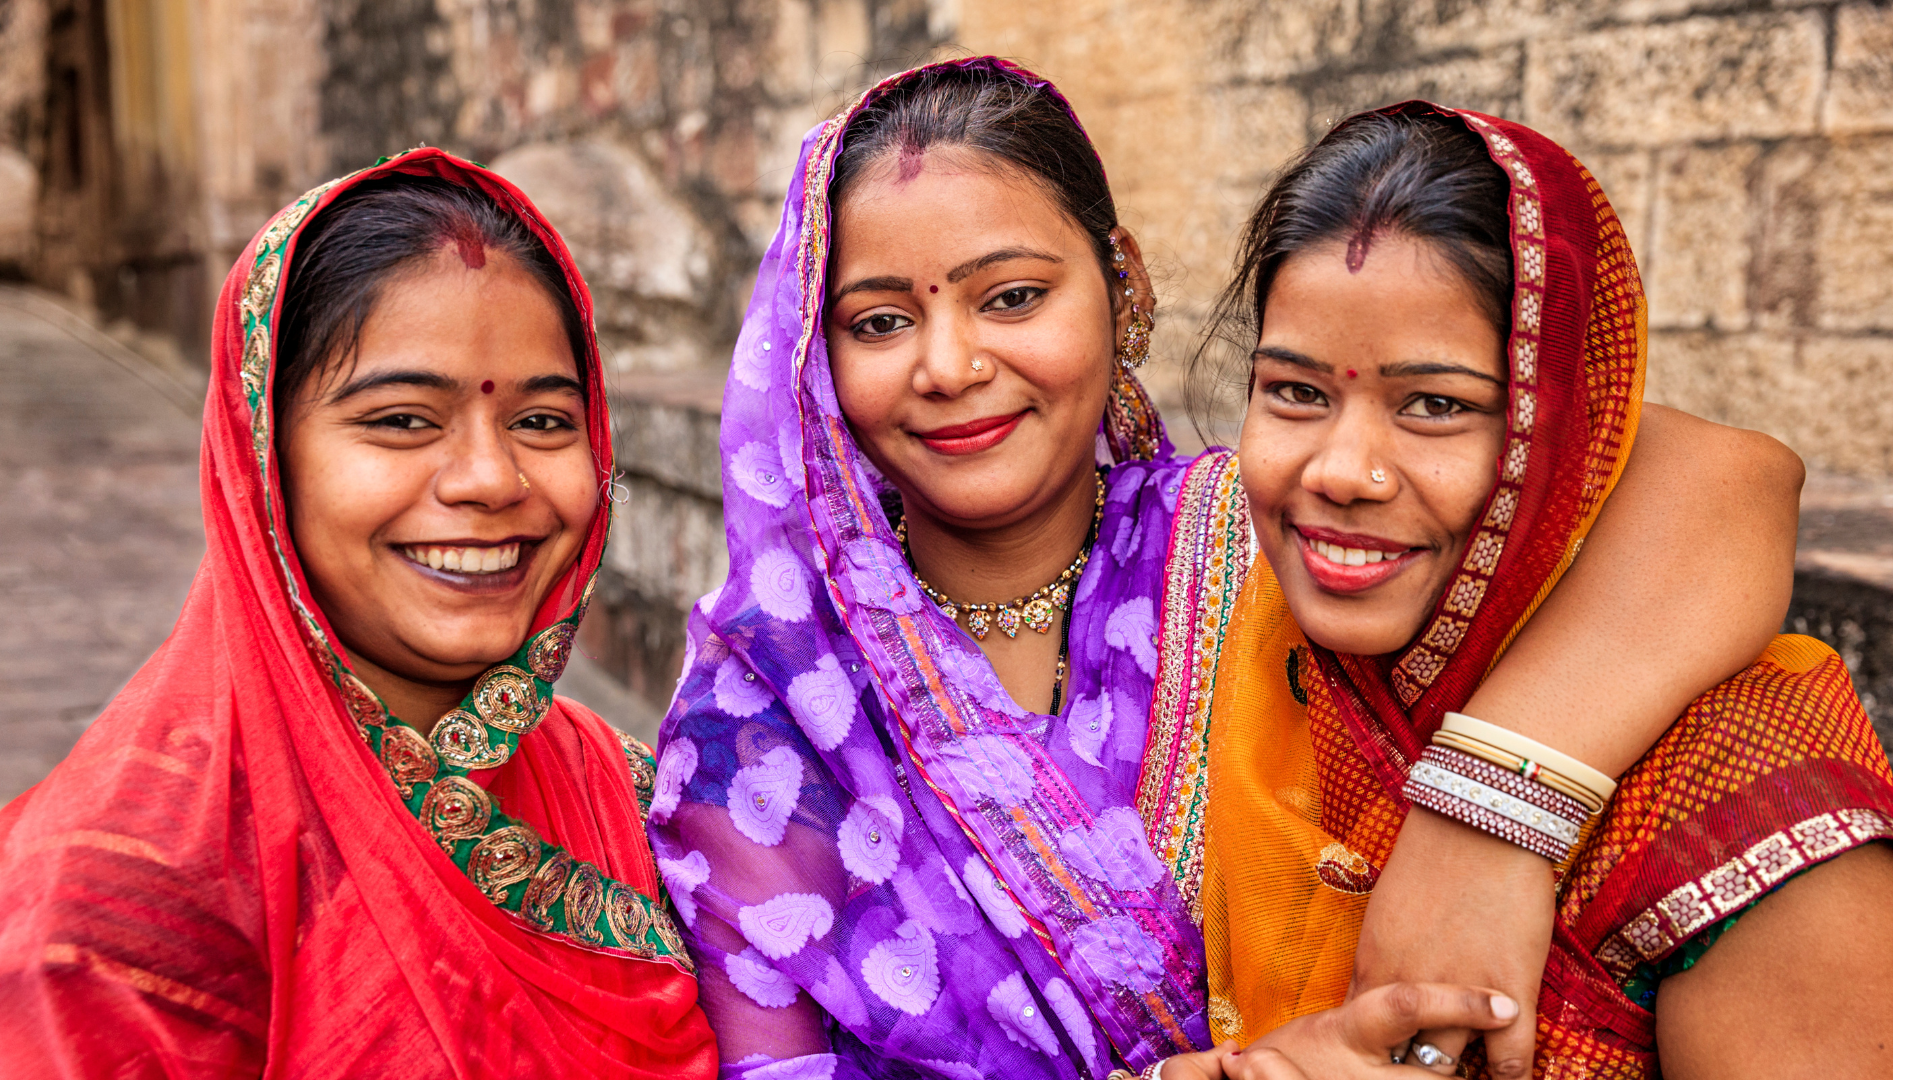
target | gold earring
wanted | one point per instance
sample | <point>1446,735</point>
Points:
<point>1134,344</point>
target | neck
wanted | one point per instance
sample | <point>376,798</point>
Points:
<point>993,565</point>
<point>419,705</point>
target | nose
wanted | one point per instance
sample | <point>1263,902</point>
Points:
<point>1354,464</point>
<point>481,471</point>
<point>953,360</point>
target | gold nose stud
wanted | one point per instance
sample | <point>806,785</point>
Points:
<point>977,365</point>
<point>523,482</point>
<point>1378,476</point>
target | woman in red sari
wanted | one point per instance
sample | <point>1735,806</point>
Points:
<point>339,825</point>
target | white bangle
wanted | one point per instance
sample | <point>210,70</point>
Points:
<point>1520,746</point>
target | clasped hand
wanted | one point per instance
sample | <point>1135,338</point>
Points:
<point>1354,1040</point>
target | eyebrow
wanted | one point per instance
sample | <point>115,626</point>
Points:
<point>973,266</point>
<point>1288,356</point>
<point>432,380</point>
<point>541,384</point>
<point>1434,367</point>
<point>873,284</point>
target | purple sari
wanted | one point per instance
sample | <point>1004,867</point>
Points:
<point>850,807</point>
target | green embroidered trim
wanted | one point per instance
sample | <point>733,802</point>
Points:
<point>537,882</point>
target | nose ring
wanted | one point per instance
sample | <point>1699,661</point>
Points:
<point>977,365</point>
<point>1378,476</point>
<point>523,482</point>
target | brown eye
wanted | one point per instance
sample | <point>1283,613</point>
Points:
<point>1015,299</point>
<point>880,325</point>
<point>1434,405</point>
<point>1299,394</point>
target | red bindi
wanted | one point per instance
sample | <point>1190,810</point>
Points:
<point>487,387</point>
<point>933,288</point>
<point>1352,374</point>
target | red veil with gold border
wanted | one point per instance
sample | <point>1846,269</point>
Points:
<point>248,867</point>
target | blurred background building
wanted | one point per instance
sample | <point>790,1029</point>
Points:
<point>1746,146</point>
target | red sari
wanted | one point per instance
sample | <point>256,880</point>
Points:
<point>248,867</point>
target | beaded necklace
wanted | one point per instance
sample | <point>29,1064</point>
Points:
<point>1037,608</point>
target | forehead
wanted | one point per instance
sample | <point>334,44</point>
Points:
<point>1404,299</point>
<point>946,201</point>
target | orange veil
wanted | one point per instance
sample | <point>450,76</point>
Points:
<point>1295,756</point>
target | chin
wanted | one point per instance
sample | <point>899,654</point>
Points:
<point>1365,625</point>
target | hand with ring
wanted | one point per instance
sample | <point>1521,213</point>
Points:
<point>1358,1039</point>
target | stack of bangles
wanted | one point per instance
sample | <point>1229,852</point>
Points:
<point>1152,1073</point>
<point>1506,784</point>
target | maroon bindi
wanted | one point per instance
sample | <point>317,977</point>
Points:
<point>933,288</point>
<point>487,387</point>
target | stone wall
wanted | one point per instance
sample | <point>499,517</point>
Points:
<point>1747,148</point>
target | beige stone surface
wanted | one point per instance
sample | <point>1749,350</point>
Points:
<point>645,252</point>
<point>1860,89</point>
<point>1696,258</point>
<point>1712,77</point>
<point>1829,397</point>
<point>19,187</point>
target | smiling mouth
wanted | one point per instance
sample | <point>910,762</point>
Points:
<point>459,559</point>
<point>1352,556</point>
<point>973,436</point>
<point>1355,566</point>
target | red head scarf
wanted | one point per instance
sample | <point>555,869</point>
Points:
<point>248,867</point>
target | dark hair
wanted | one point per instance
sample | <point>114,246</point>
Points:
<point>354,247</point>
<point>1417,175</point>
<point>995,111</point>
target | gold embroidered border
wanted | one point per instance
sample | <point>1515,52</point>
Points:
<point>1208,561</point>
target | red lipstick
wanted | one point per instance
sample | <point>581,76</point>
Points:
<point>972,436</point>
<point>1338,577</point>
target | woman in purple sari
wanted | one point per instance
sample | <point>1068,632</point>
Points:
<point>903,829</point>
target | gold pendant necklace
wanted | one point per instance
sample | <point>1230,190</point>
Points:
<point>1036,609</point>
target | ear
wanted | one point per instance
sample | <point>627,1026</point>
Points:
<point>1137,279</point>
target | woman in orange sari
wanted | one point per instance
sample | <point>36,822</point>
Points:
<point>1446,382</point>
<point>339,825</point>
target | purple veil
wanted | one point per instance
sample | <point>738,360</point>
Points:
<point>848,804</point>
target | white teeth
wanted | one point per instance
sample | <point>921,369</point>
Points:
<point>466,560</point>
<point>1353,556</point>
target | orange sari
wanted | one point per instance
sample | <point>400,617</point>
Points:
<point>1294,756</point>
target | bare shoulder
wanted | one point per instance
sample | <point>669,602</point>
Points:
<point>1802,985</point>
<point>1686,440</point>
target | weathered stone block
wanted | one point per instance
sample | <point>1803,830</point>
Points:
<point>19,186</point>
<point>1824,256</point>
<point>1490,82</point>
<point>1827,397</point>
<point>644,253</point>
<point>1699,79</point>
<point>1860,85</point>
<point>1697,261</point>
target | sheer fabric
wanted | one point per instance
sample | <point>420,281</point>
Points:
<point>851,813</point>
<point>1772,772</point>
<point>246,867</point>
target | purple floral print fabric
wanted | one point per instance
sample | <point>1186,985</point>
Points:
<point>850,811</point>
